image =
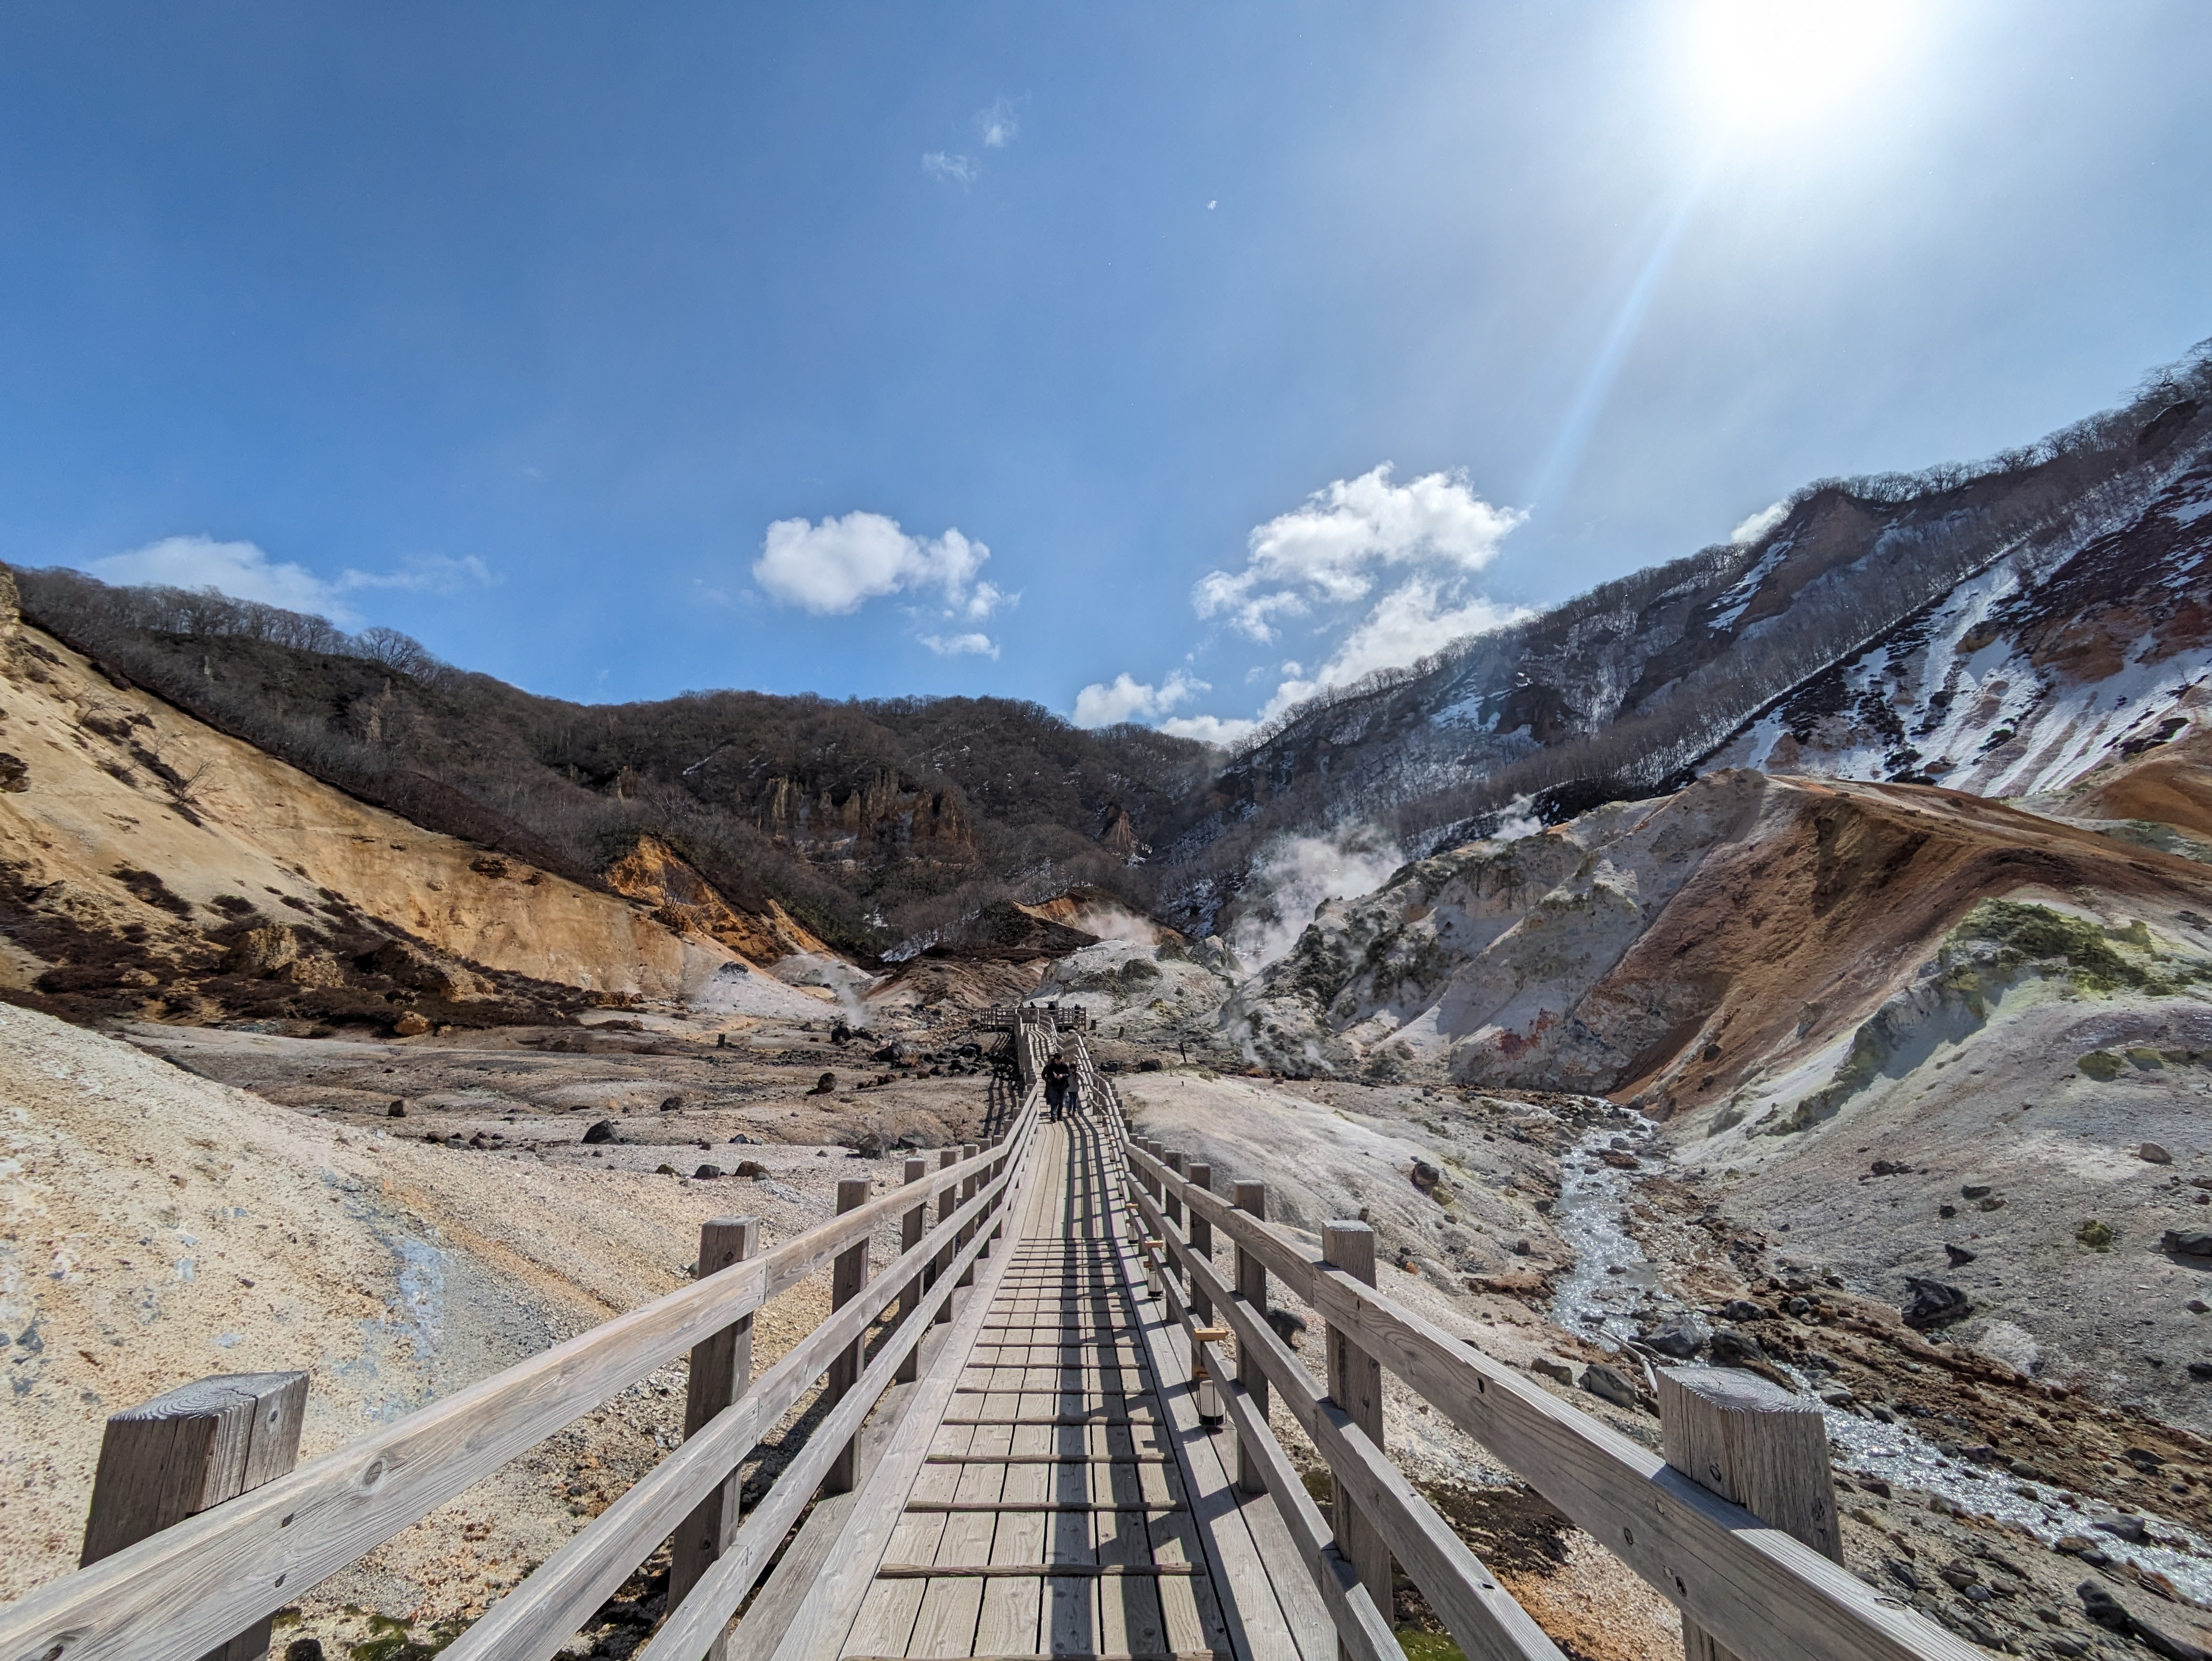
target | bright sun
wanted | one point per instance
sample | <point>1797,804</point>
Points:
<point>1763,64</point>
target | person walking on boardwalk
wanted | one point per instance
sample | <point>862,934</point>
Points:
<point>1058,1080</point>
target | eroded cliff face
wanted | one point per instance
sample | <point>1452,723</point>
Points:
<point>686,904</point>
<point>141,849</point>
<point>881,815</point>
<point>1682,952</point>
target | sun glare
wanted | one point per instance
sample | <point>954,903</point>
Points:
<point>1764,64</point>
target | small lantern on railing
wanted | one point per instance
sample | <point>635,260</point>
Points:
<point>1152,1249</point>
<point>1201,1377</point>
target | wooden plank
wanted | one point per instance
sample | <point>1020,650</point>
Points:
<point>951,1607</point>
<point>1251,1286</point>
<point>1128,1609</point>
<point>175,1594</point>
<point>1010,1621</point>
<point>1057,1570</point>
<point>186,1451</point>
<point>720,1369</point>
<point>1754,1588</point>
<point>912,1225</point>
<point>1200,1176</point>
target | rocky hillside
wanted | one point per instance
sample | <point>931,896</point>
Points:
<point>1998,628</point>
<point>870,825</point>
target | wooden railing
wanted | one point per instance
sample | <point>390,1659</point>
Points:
<point>1752,1588</point>
<point>195,1587</point>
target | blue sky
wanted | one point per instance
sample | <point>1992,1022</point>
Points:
<point>875,349</point>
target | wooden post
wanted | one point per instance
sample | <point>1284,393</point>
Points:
<point>847,1277</point>
<point>913,1225</point>
<point>721,1368</point>
<point>190,1449</point>
<point>1355,1383</point>
<point>948,1201</point>
<point>968,1151</point>
<point>1172,1158</point>
<point>1757,1445</point>
<point>1252,1287</point>
<point>1201,1241</point>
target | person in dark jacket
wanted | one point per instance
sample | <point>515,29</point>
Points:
<point>1059,1082</point>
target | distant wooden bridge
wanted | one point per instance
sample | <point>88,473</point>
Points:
<point>1014,1461</point>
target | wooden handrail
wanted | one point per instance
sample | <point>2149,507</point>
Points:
<point>1754,1589</point>
<point>538,1617</point>
<point>180,1593</point>
<point>1482,1617</point>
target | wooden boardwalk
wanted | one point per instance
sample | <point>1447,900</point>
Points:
<point>1059,1497</point>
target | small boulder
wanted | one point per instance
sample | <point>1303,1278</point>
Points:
<point>666,1170</point>
<point>262,951</point>
<point>1610,1385</point>
<point>1729,1347</point>
<point>1680,1338</point>
<point>671,1104</point>
<point>1288,1325</point>
<point>1426,1176</point>
<point>2186,1243</point>
<point>1149,1064</point>
<point>753,1169</point>
<point>304,1649</point>
<point>707,1173</point>
<point>396,1111</point>
<point>603,1131</point>
<point>2200,1370</point>
<point>14,775</point>
<point>1619,1161</point>
<point>2127,1528</point>
<point>412,1024</point>
<point>1973,1190</point>
<point>826,1085</point>
<point>1742,1308</point>
<point>1552,1367</point>
<point>1958,1255</point>
<point>2152,1153</point>
<point>2097,1236</point>
<point>1933,1304</point>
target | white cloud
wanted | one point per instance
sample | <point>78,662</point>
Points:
<point>1000,124</point>
<point>426,574</point>
<point>978,645</point>
<point>1328,550</point>
<point>244,571</point>
<point>1209,729</point>
<point>1130,699</point>
<point>1758,525</point>
<point>1417,618</point>
<point>240,569</point>
<point>950,169</point>
<point>840,564</point>
<point>986,598</point>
